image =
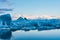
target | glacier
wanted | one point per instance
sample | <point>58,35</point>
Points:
<point>25,24</point>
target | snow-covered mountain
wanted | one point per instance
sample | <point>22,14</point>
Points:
<point>36,24</point>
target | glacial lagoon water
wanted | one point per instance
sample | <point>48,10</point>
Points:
<point>36,35</point>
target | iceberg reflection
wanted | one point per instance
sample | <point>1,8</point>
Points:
<point>5,34</point>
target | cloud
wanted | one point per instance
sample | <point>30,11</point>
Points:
<point>16,16</point>
<point>3,0</point>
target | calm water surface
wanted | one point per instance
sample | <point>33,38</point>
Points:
<point>36,35</point>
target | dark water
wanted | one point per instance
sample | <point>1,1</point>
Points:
<point>34,35</point>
